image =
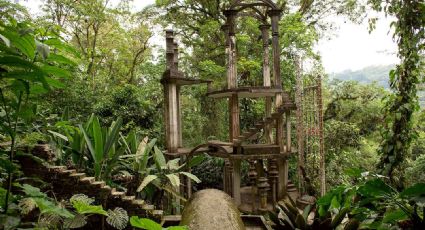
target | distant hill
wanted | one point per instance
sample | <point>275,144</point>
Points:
<point>366,75</point>
<point>378,74</point>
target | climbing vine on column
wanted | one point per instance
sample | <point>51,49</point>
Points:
<point>409,33</point>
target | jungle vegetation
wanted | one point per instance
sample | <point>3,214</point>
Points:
<point>84,77</point>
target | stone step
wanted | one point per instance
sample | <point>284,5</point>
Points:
<point>138,202</point>
<point>148,207</point>
<point>99,184</point>
<point>158,214</point>
<point>117,194</point>
<point>77,175</point>
<point>68,171</point>
<point>56,168</point>
<point>128,198</point>
<point>107,188</point>
<point>88,179</point>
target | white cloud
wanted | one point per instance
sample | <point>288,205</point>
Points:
<point>354,48</point>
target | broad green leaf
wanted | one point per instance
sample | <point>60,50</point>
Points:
<point>145,158</point>
<point>375,188</point>
<point>54,42</point>
<point>15,61</point>
<point>25,75</point>
<point>60,59</point>
<point>144,223</point>
<point>117,218</point>
<point>38,89</point>
<point>112,136</point>
<point>98,140</point>
<point>5,40</point>
<point>335,203</point>
<point>142,146</point>
<point>148,179</point>
<point>196,160</point>
<point>54,83</point>
<point>415,190</point>
<point>354,172</point>
<point>173,164</point>
<point>394,216</point>
<point>25,43</point>
<point>174,179</point>
<point>191,176</point>
<point>32,191</point>
<point>84,208</point>
<point>55,71</point>
<point>47,206</point>
<point>159,159</point>
<point>88,141</point>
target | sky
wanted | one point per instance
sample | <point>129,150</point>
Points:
<point>351,48</point>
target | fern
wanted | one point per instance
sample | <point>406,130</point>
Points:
<point>26,205</point>
<point>117,218</point>
<point>78,221</point>
<point>81,198</point>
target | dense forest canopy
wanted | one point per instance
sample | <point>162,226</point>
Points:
<point>84,77</point>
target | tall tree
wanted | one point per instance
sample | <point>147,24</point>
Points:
<point>409,31</point>
<point>112,40</point>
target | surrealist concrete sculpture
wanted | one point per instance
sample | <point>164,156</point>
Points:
<point>274,128</point>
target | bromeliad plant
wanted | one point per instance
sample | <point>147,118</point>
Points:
<point>92,147</point>
<point>373,204</point>
<point>103,146</point>
<point>369,204</point>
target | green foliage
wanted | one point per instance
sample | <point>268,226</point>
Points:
<point>400,106</point>
<point>101,144</point>
<point>97,149</point>
<point>165,175</point>
<point>144,223</point>
<point>25,71</point>
<point>352,126</point>
<point>414,173</point>
<point>373,204</point>
<point>52,214</point>
<point>128,103</point>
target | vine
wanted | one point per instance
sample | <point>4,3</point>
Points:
<point>409,33</point>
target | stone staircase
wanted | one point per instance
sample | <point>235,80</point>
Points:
<point>65,182</point>
<point>262,124</point>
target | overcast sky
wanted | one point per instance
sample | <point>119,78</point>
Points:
<point>352,47</point>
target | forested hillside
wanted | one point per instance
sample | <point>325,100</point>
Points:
<point>367,75</point>
<point>374,74</point>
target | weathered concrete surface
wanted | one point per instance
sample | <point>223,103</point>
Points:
<point>211,209</point>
